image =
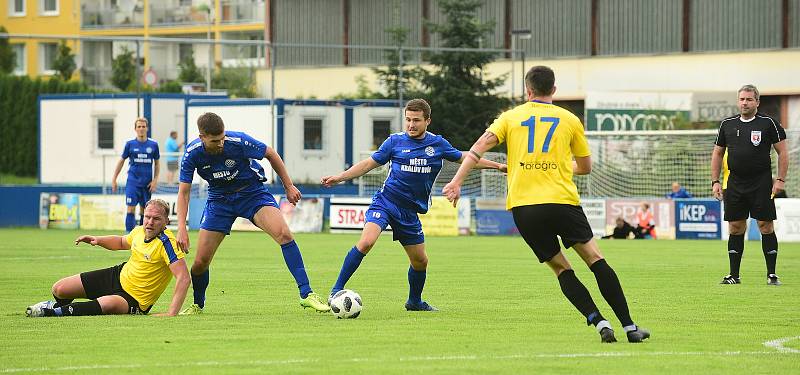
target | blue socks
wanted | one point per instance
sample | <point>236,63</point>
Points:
<point>416,281</point>
<point>294,261</point>
<point>351,263</point>
<point>130,222</point>
<point>199,286</point>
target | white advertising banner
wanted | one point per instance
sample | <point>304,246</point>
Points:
<point>347,215</point>
<point>306,217</point>
<point>595,210</point>
<point>787,224</point>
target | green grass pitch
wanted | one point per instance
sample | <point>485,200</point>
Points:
<point>501,312</point>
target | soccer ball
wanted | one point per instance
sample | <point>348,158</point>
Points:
<point>346,304</point>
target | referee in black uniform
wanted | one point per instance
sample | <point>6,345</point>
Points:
<point>749,138</point>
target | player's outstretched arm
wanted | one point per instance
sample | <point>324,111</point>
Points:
<point>182,281</point>
<point>182,206</point>
<point>117,170</point>
<point>485,143</point>
<point>359,169</point>
<point>107,242</point>
<point>292,192</point>
<point>485,163</point>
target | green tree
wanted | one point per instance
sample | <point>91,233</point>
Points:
<point>462,97</point>
<point>7,55</point>
<point>189,71</point>
<point>238,81</point>
<point>123,70</point>
<point>64,63</point>
<point>389,77</point>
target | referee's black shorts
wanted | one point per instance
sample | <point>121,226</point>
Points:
<point>105,282</point>
<point>539,225</point>
<point>749,197</point>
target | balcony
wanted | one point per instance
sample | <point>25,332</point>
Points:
<point>166,14</point>
<point>242,11</point>
<point>105,15</point>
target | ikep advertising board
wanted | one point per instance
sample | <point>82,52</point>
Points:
<point>698,219</point>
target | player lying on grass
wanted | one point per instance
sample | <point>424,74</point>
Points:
<point>416,158</point>
<point>131,287</point>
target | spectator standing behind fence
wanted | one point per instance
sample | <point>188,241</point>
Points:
<point>678,191</point>
<point>172,146</point>
<point>646,228</point>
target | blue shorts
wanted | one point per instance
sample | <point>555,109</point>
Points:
<point>136,195</point>
<point>405,223</point>
<point>220,213</point>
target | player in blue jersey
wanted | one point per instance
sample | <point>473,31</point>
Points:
<point>142,153</point>
<point>227,160</point>
<point>416,158</point>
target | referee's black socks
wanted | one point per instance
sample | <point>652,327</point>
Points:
<point>609,285</point>
<point>769,244</point>
<point>577,294</point>
<point>735,251</point>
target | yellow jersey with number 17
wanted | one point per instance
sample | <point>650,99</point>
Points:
<point>541,139</point>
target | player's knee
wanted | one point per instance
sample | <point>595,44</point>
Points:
<point>419,263</point>
<point>365,246</point>
<point>59,290</point>
<point>765,227</point>
<point>201,263</point>
<point>737,228</point>
<point>283,236</point>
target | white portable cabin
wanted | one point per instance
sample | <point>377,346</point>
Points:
<point>81,136</point>
<point>314,137</point>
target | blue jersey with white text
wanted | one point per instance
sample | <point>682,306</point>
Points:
<point>415,163</point>
<point>234,170</point>
<point>141,156</point>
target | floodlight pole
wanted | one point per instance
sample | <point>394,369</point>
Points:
<point>522,34</point>
<point>400,86</point>
<point>210,52</point>
<point>136,76</point>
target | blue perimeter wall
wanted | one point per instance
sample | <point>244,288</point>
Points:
<point>19,205</point>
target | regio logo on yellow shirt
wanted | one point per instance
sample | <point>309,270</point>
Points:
<point>543,165</point>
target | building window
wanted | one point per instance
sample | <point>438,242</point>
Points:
<point>312,134</point>
<point>380,131</point>
<point>16,8</point>
<point>20,66</point>
<point>105,134</point>
<point>185,52</point>
<point>48,7</point>
<point>47,55</point>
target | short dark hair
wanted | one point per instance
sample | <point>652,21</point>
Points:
<point>417,105</point>
<point>541,80</point>
<point>210,124</point>
<point>141,119</point>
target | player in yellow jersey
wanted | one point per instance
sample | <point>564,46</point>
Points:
<point>131,287</point>
<point>542,140</point>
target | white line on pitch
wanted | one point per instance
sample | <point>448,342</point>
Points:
<point>777,344</point>
<point>402,359</point>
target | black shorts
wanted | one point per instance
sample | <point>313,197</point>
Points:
<point>749,197</point>
<point>105,282</point>
<point>172,165</point>
<point>539,225</point>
